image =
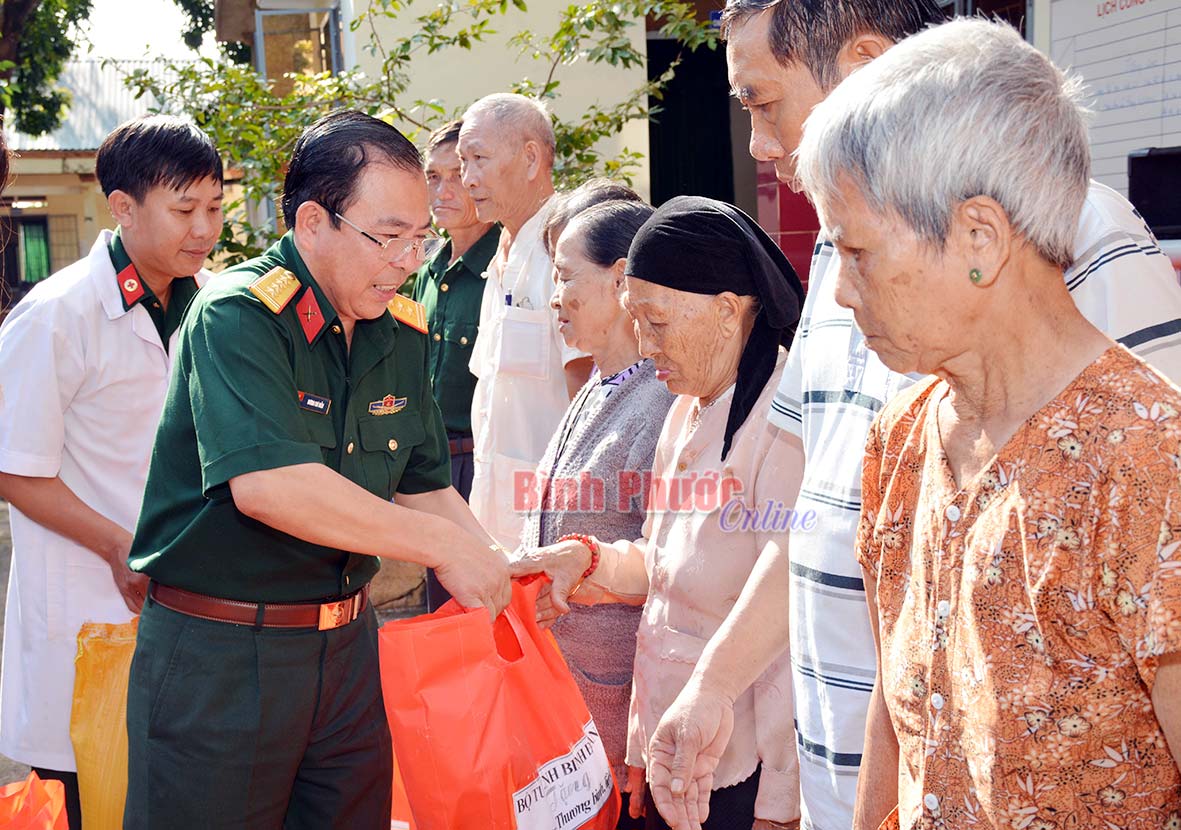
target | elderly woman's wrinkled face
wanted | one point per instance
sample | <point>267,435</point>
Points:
<point>585,295</point>
<point>685,335</point>
<point>910,300</point>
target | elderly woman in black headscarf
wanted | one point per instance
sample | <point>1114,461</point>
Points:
<point>715,302</point>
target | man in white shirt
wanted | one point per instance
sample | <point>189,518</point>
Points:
<point>84,366</point>
<point>526,374</point>
<point>784,58</point>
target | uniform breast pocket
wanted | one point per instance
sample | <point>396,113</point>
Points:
<point>322,432</point>
<point>386,442</point>
<point>525,342</point>
<point>459,336</point>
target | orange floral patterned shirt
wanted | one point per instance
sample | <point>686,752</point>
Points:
<point>1021,616</point>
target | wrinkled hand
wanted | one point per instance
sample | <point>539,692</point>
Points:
<point>547,614</point>
<point>635,786</point>
<point>132,586</point>
<point>476,575</point>
<point>564,563</point>
<point>684,752</point>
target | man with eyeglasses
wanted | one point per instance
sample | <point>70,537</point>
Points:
<point>299,408</point>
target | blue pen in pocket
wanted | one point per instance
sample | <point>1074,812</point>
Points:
<point>508,298</point>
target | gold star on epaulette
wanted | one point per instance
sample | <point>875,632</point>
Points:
<point>275,288</point>
<point>405,310</point>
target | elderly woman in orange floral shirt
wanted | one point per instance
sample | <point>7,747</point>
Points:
<point>1021,509</point>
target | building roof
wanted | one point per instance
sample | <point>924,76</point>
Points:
<point>101,102</point>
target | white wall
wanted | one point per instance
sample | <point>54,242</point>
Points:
<point>456,77</point>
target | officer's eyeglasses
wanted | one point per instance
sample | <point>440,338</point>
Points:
<point>397,247</point>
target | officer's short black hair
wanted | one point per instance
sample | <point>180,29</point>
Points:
<point>331,155</point>
<point>156,150</point>
<point>812,32</point>
<point>447,134</point>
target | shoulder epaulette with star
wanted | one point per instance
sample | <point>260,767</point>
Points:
<point>405,310</point>
<point>275,288</point>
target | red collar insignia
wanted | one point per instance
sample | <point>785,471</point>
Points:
<point>130,286</point>
<point>308,312</point>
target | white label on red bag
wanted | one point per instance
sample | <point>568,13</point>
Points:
<point>570,790</point>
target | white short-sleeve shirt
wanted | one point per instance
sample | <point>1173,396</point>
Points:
<point>82,384</point>
<point>519,361</point>
<point>831,391</point>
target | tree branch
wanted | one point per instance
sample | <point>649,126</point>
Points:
<point>14,14</point>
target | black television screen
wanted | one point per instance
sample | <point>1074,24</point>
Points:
<point>1154,187</point>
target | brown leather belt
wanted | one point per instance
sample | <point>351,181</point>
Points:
<point>323,616</point>
<point>461,445</point>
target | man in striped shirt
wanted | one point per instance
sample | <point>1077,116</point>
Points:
<point>784,57</point>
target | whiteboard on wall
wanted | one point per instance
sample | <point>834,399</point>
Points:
<point>1129,54</point>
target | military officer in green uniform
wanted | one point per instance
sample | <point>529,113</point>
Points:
<point>300,405</point>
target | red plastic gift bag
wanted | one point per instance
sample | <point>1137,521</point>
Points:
<point>33,804</point>
<point>489,728</point>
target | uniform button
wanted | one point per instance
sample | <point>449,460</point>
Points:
<point>952,513</point>
<point>438,337</point>
<point>937,701</point>
<point>349,448</point>
<point>444,287</point>
<point>943,609</point>
<point>393,445</point>
<point>681,467</point>
<point>336,329</point>
<point>931,802</point>
<point>463,341</point>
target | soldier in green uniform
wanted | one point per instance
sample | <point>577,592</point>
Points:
<point>299,406</point>
<point>450,287</point>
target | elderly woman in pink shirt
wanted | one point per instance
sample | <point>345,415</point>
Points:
<point>713,300</point>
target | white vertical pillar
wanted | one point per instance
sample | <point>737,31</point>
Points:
<point>348,38</point>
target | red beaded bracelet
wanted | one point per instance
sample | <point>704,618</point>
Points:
<point>591,545</point>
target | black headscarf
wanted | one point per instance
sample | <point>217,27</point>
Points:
<point>704,246</point>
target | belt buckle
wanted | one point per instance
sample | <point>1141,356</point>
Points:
<point>335,614</point>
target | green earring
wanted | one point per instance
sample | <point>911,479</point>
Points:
<point>975,276</point>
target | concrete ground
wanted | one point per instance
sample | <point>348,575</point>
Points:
<point>9,770</point>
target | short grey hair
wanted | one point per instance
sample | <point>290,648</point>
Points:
<point>528,117</point>
<point>964,109</point>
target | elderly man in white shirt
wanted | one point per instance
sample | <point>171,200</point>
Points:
<point>84,367</point>
<point>526,374</point>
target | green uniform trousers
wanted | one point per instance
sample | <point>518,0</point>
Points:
<point>232,726</point>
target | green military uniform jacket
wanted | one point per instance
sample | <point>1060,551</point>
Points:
<point>451,295</point>
<point>263,379</point>
<point>134,290</point>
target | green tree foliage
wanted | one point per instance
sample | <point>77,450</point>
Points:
<point>36,39</point>
<point>200,22</point>
<point>256,125</point>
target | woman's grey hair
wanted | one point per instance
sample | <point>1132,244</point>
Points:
<point>964,109</point>
<point>565,206</point>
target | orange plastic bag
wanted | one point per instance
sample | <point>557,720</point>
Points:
<point>33,804</point>
<point>489,728</point>
<point>98,721</point>
<point>401,818</point>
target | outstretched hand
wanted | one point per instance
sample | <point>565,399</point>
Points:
<point>684,752</point>
<point>564,563</point>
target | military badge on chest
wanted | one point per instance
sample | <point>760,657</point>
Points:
<point>388,405</point>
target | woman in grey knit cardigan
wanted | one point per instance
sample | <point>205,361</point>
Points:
<point>594,474</point>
